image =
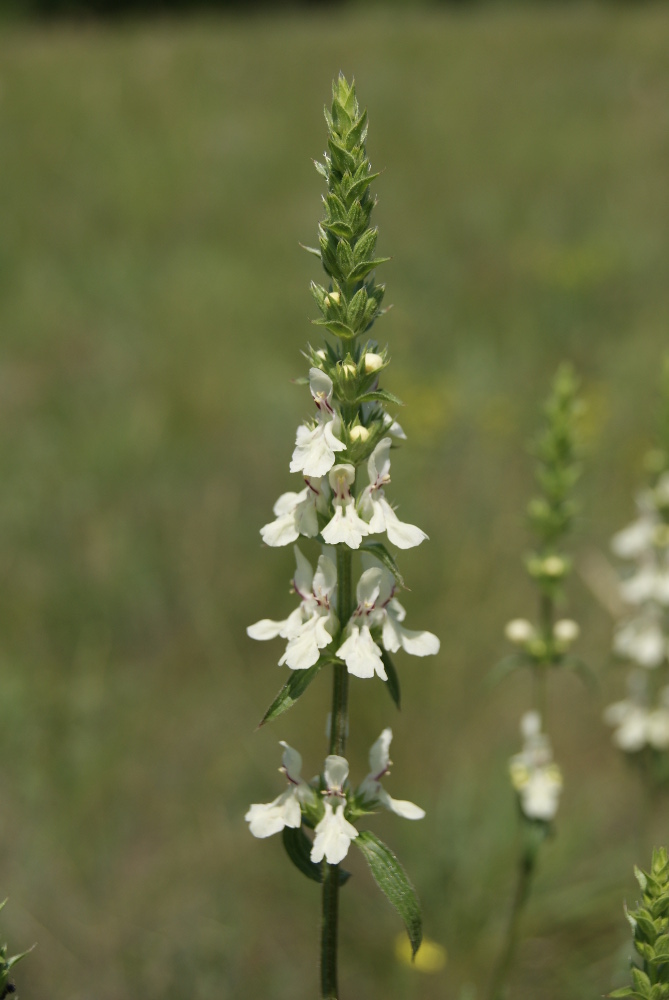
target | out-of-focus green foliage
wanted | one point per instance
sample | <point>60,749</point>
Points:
<point>156,184</point>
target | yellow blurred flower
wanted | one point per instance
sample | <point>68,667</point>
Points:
<point>430,957</point>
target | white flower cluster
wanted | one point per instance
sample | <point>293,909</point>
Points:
<point>314,624</point>
<point>642,719</point>
<point>329,487</point>
<point>333,833</point>
<point>534,775</point>
<point>637,725</point>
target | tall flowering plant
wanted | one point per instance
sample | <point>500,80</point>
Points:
<point>348,619</point>
<point>641,639</point>
<point>543,645</point>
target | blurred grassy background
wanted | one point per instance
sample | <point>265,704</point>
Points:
<point>153,304</point>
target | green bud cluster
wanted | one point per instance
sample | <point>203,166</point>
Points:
<point>347,243</point>
<point>551,513</point>
<point>650,930</point>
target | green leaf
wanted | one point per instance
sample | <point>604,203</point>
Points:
<point>394,883</point>
<point>358,132</point>
<point>382,395</point>
<point>625,991</point>
<point>582,670</point>
<point>662,948</point>
<point>380,552</point>
<point>356,189</point>
<point>294,688</point>
<point>356,308</point>
<point>339,329</point>
<point>641,981</point>
<point>505,667</point>
<point>393,682</point>
<point>322,169</point>
<point>298,849</point>
<point>341,157</point>
<point>362,269</point>
<point>344,257</point>
<point>365,246</point>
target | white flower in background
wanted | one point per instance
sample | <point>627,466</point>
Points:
<point>345,525</point>
<point>635,540</point>
<point>534,775</point>
<point>519,631</point>
<point>311,626</point>
<point>642,638</point>
<point>297,514</point>
<point>635,723</point>
<point>374,507</point>
<point>271,817</point>
<point>315,447</point>
<point>334,833</point>
<point>377,607</point>
<point>371,789</point>
<point>650,582</point>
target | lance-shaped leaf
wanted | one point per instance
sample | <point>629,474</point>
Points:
<point>298,848</point>
<point>380,552</point>
<point>382,395</point>
<point>294,688</point>
<point>506,666</point>
<point>393,682</point>
<point>394,883</point>
<point>363,269</point>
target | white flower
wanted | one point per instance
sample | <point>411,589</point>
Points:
<point>377,607</point>
<point>345,525</point>
<point>636,725</point>
<point>637,538</point>
<point>371,789</point>
<point>334,833</point>
<point>311,626</point>
<point>642,639</point>
<point>649,583</point>
<point>297,514</point>
<point>534,775</point>
<point>271,817</point>
<point>315,446</point>
<point>375,508</point>
<point>392,426</point>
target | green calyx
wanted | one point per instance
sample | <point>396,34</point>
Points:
<point>650,931</point>
<point>347,242</point>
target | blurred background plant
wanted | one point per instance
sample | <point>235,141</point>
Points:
<point>640,721</point>
<point>150,309</point>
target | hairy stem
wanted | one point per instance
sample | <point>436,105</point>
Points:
<point>338,733</point>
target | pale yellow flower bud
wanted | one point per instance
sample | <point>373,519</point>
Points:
<point>554,566</point>
<point>519,631</point>
<point>333,298</point>
<point>359,433</point>
<point>349,369</point>
<point>566,631</point>
<point>373,362</point>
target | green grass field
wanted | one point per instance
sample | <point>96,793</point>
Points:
<point>153,305</point>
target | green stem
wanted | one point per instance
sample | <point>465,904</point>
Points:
<point>525,872</point>
<point>546,614</point>
<point>338,734</point>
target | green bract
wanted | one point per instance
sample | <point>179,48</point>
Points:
<point>650,933</point>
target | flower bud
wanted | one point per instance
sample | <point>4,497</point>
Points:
<point>554,566</point>
<point>373,362</point>
<point>348,369</point>
<point>566,631</point>
<point>332,298</point>
<point>519,631</point>
<point>359,433</point>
